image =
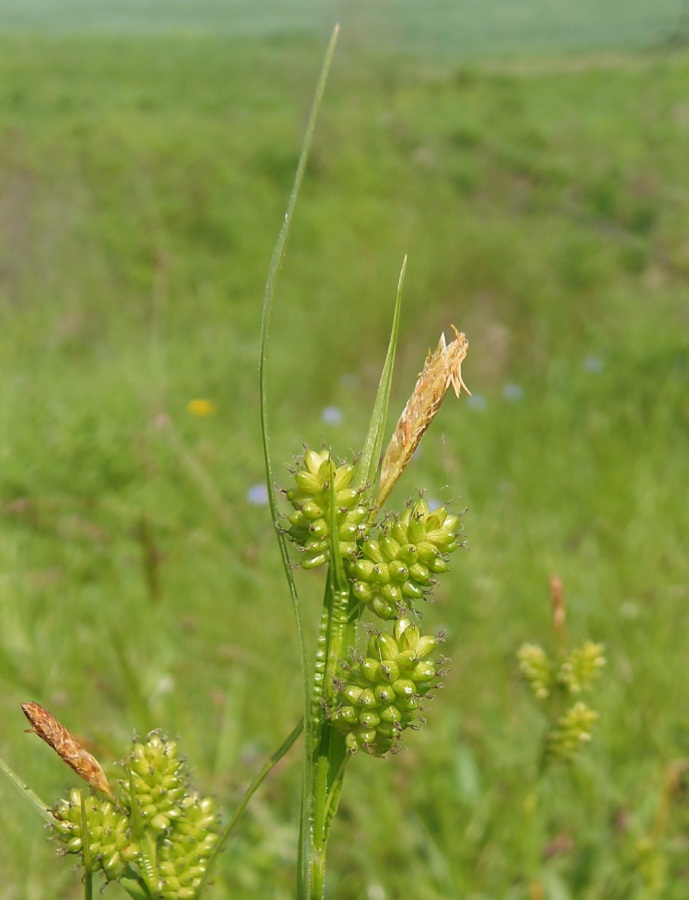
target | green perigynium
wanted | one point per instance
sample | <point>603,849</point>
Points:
<point>571,732</point>
<point>582,667</point>
<point>537,669</point>
<point>184,853</point>
<point>309,526</point>
<point>110,840</point>
<point>399,567</point>
<point>556,684</point>
<point>379,695</point>
<point>165,841</point>
<point>158,781</point>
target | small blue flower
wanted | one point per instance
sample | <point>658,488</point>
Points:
<point>512,392</point>
<point>331,415</point>
<point>593,364</point>
<point>257,495</point>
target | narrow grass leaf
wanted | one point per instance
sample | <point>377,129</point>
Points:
<point>26,792</point>
<point>269,301</point>
<point>367,468</point>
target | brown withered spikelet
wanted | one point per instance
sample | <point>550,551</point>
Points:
<point>442,370</point>
<point>67,747</point>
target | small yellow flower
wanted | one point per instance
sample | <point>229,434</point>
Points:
<point>201,407</point>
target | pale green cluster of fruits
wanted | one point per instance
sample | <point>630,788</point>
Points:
<point>558,682</point>
<point>379,695</point>
<point>159,831</point>
<point>391,565</point>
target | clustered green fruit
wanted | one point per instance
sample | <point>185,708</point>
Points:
<point>400,567</point>
<point>167,839</point>
<point>571,732</point>
<point>110,841</point>
<point>374,698</point>
<point>183,856</point>
<point>572,675</point>
<point>158,782</point>
<point>309,524</point>
<point>379,695</point>
<point>557,682</point>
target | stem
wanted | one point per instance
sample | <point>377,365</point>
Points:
<point>330,752</point>
<point>86,845</point>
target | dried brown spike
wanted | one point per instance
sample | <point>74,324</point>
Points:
<point>441,371</point>
<point>67,747</point>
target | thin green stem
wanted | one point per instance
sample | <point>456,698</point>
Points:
<point>86,850</point>
<point>27,793</point>
<point>330,753</point>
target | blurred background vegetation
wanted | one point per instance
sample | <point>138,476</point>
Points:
<point>532,160</point>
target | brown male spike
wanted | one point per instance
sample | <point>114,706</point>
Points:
<point>67,747</point>
<point>441,370</point>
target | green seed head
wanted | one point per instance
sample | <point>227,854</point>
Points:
<point>309,524</point>
<point>379,695</point>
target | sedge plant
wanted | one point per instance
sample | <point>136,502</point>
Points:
<point>559,680</point>
<point>364,685</point>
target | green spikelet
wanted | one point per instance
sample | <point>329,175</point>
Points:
<point>158,780</point>
<point>582,667</point>
<point>537,670</point>
<point>183,856</point>
<point>379,695</point>
<point>399,568</point>
<point>571,732</point>
<point>160,833</point>
<point>110,842</point>
<point>309,525</point>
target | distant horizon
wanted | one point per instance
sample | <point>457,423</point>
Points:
<point>430,28</point>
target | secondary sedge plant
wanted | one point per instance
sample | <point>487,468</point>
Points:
<point>558,680</point>
<point>364,686</point>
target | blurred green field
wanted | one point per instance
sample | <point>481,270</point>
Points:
<point>439,28</point>
<point>544,207</point>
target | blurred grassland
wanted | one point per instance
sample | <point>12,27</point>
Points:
<point>544,206</point>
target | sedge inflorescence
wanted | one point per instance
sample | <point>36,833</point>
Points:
<point>379,694</point>
<point>559,684</point>
<point>311,498</point>
<point>390,565</point>
<point>157,828</point>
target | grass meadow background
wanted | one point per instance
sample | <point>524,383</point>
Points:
<point>532,161</point>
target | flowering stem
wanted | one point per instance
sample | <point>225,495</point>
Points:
<point>88,865</point>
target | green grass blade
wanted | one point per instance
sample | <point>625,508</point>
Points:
<point>269,301</point>
<point>26,792</point>
<point>369,461</point>
<point>268,304</point>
